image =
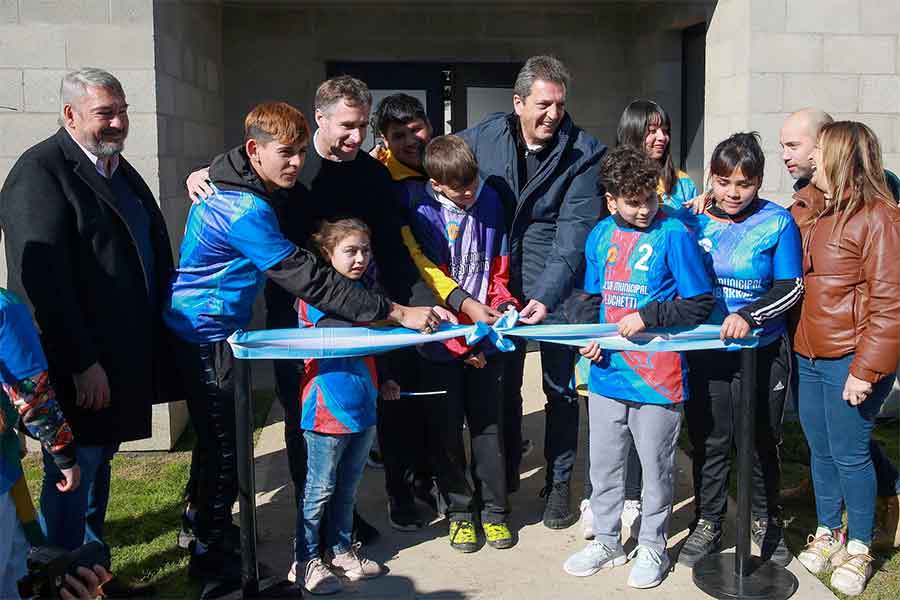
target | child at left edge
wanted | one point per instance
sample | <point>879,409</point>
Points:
<point>27,397</point>
<point>644,270</point>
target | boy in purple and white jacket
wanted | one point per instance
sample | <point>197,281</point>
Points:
<point>459,224</point>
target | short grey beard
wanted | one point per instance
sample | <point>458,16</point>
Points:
<point>107,149</point>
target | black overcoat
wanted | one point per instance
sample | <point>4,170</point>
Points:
<point>72,257</point>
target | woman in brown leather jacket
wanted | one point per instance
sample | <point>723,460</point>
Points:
<point>847,341</point>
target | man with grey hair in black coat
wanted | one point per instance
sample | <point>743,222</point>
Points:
<point>88,250</point>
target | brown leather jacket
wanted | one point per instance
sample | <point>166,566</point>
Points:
<point>852,301</point>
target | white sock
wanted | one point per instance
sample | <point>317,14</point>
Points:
<point>856,547</point>
<point>820,531</point>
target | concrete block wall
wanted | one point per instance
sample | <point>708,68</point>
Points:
<point>175,111</point>
<point>600,42</point>
<point>727,72</point>
<point>656,63</point>
<point>189,95</point>
<point>838,55</point>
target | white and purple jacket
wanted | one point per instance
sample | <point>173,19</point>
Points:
<point>470,246</point>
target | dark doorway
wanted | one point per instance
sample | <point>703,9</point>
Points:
<point>479,89</point>
<point>693,82</point>
<point>455,95</point>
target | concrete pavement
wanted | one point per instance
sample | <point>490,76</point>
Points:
<point>422,564</point>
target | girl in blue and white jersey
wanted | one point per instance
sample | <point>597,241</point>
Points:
<point>753,250</point>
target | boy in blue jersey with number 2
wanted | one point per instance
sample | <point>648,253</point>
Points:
<point>644,270</point>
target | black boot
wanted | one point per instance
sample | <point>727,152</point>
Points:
<point>705,539</point>
<point>768,535</point>
<point>558,513</point>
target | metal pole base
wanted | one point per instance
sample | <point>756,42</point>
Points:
<point>272,587</point>
<point>714,575</point>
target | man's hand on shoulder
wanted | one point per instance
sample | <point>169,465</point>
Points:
<point>198,185</point>
<point>379,152</point>
<point>698,203</point>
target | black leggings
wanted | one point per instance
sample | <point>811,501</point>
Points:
<point>207,370</point>
<point>710,413</point>
<point>401,431</point>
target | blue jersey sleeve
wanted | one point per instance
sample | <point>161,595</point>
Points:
<point>594,271</point>
<point>686,264</point>
<point>21,355</point>
<point>788,258</point>
<point>683,190</point>
<point>256,235</point>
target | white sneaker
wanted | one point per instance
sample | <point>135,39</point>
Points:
<point>851,576</point>
<point>631,516</point>
<point>587,520</point>
<point>822,552</point>
<point>649,567</point>
<point>317,577</point>
<point>593,557</point>
<point>356,567</point>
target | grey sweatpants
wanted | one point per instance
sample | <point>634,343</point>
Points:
<point>655,430</point>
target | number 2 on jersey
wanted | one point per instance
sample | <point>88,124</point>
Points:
<point>641,264</point>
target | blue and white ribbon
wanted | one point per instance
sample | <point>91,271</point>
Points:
<point>343,342</point>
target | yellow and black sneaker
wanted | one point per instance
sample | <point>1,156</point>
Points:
<point>498,535</point>
<point>463,537</point>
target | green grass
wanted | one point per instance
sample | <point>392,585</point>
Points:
<point>144,513</point>
<point>800,511</point>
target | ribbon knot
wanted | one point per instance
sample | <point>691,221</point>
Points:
<point>495,333</point>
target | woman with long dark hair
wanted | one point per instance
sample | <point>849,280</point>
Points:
<point>646,125</point>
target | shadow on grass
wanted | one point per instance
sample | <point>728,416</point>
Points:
<point>144,512</point>
<point>150,525</point>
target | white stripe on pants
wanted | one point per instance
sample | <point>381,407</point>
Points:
<point>654,428</point>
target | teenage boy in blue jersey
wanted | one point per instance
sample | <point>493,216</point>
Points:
<point>232,243</point>
<point>645,270</point>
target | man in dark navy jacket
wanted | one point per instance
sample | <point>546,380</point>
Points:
<point>546,169</point>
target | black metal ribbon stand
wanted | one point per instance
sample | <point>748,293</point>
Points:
<point>739,575</point>
<point>251,586</point>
